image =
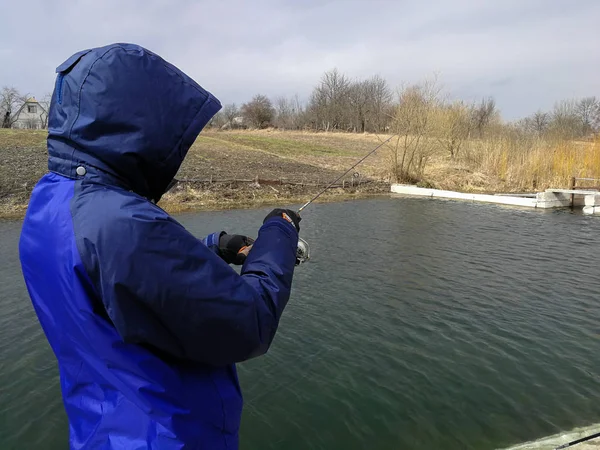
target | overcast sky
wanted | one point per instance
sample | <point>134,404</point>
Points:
<point>527,54</point>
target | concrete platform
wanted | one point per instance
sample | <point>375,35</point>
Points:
<point>574,191</point>
<point>592,200</point>
<point>437,193</point>
<point>552,198</point>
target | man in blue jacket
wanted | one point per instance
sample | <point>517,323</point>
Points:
<point>146,321</point>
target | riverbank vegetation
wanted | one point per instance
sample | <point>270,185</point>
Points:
<point>223,170</point>
<point>442,141</point>
<point>454,145</point>
<point>283,150</point>
<point>233,169</point>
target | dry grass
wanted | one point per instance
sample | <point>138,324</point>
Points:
<point>505,164</point>
<point>23,160</point>
<point>492,165</point>
<point>22,138</point>
<point>538,164</point>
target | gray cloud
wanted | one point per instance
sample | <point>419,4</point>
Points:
<point>527,54</point>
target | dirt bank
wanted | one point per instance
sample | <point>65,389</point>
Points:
<point>220,172</point>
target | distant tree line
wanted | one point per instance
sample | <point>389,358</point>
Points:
<point>422,116</point>
<point>570,119</point>
<point>338,103</point>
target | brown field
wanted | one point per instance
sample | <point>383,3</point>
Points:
<point>221,167</point>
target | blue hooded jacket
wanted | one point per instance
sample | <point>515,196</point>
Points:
<point>146,321</point>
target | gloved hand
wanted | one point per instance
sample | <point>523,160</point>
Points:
<point>233,248</point>
<point>292,217</point>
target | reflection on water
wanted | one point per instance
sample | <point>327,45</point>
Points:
<point>418,324</point>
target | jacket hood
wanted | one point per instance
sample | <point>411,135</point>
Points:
<point>126,114</point>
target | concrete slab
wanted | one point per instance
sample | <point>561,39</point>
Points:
<point>438,193</point>
<point>553,200</point>
<point>574,191</point>
<point>592,200</point>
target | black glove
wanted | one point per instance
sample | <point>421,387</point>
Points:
<point>230,246</point>
<point>292,217</point>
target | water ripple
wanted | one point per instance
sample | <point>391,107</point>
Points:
<point>419,324</point>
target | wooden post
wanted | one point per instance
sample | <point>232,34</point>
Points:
<point>572,195</point>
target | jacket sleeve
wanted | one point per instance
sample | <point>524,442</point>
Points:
<point>166,289</point>
<point>212,242</point>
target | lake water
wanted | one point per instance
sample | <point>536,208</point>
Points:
<point>418,324</point>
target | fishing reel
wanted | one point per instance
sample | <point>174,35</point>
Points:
<point>302,252</point>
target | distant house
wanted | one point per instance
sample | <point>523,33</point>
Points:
<point>31,115</point>
<point>236,122</point>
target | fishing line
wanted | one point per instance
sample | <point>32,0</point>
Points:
<point>303,250</point>
<point>344,174</point>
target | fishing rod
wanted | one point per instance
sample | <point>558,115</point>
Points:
<point>303,250</point>
<point>344,174</point>
<point>578,441</point>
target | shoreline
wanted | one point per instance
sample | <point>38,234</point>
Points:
<point>249,169</point>
<point>198,201</point>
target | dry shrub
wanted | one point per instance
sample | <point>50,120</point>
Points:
<point>413,122</point>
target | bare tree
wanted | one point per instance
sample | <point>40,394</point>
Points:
<point>540,122</point>
<point>284,113</point>
<point>483,115</point>
<point>10,102</point>
<point>536,124</point>
<point>329,101</point>
<point>259,111</point>
<point>588,111</point>
<point>380,100</point>
<point>45,104</point>
<point>358,105</point>
<point>368,101</point>
<point>565,122</point>
<point>298,112</point>
<point>412,123</point>
<point>340,104</point>
<point>453,125</point>
<point>230,112</point>
<point>289,113</point>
